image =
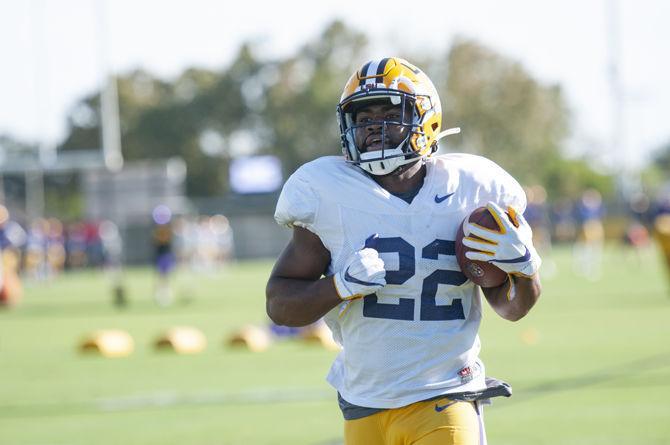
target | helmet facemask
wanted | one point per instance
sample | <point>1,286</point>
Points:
<point>406,137</point>
<point>377,128</point>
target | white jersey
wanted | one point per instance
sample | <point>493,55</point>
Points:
<point>416,338</point>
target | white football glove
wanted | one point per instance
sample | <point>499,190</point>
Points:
<point>511,250</point>
<point>363,274</point>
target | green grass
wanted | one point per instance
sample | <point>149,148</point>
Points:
<point>589,365</point>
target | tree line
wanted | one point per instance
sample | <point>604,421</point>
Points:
<point>286,107</point>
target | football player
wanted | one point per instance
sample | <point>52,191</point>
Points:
<point>373,253</point>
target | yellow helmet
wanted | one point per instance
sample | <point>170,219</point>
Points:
<point>398,82</point>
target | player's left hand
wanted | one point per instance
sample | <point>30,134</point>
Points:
<point>511,249</point>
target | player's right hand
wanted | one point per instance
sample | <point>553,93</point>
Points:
<point>363,274</point>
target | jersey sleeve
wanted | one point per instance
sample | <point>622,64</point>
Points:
<point>499,185</point>
<point>487,181</point>
<point>510,191</point>
<point>298,203</point>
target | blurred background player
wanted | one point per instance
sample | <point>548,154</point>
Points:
<point>12,238</point>
<point>203,244</point>
<point>35,264</point>
<point>75,245</point>
<point>563,220</point>
<point>662,226</point>
<point>55,248</point>
<point>164,258</point>
<point>588,248</point>
<point>224,241</point>
<point>537,215</point>
<point>112,245</point>
<point>637,237</point>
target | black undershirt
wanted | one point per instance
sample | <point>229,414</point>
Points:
<point>410,195</point>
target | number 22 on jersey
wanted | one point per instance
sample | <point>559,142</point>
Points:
<point>404,309</point>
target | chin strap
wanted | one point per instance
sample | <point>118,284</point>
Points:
<point>374,167</point>
<point>448,132</point>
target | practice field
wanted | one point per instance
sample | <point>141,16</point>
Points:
<point>590,365</point>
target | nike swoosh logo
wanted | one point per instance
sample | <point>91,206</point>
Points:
<point>351,279</point>
<point>439,408</point>
<point>521,259</point>
<point>439,199</point>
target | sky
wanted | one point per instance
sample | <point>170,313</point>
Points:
<point>53,52</point>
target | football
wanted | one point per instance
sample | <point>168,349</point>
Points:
<point>479,272</point>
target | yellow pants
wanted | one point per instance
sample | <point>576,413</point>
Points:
<point>433,422</point>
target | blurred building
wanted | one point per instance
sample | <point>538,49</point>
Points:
<point>127,198</point>
<point>257,235</point>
